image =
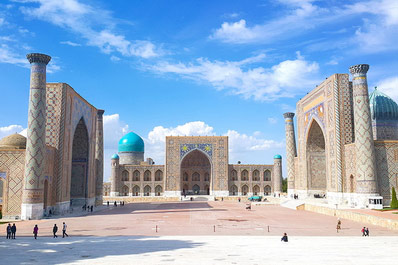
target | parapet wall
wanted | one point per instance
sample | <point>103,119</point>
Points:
<point>353,216</point>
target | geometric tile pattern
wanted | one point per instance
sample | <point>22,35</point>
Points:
<point>364,145</point>
<point>12,163</point>
<point>387,167</point>
<point>186,148</point>
<point>35,145</point>
<point>290,148</point>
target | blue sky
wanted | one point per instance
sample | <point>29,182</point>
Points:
<point>194,67</point>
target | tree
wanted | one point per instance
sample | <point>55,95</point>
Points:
<point>284,185</point>
<point>394,201</point>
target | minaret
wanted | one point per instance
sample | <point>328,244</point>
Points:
<point>32,195</point>
<point>99,157</point>
<point>277,174</point>
<point>114,175</point>
<point>291,152</point>
<point>364,145</point>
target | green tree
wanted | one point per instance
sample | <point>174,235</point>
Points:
<point>394,201</point>
<point>284,185</point>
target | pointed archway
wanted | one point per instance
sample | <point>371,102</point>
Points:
<point>196,173</point>
<point>316,158</point>
<point>79,169</point>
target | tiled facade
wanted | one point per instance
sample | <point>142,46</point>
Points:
<point>195,165</point>
<point>337,155</point>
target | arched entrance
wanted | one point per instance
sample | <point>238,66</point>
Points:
<point>233,191</point>
<point>79,179</point>
<point>316,158</point>
<point>195,173</point>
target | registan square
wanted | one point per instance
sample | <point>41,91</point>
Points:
<point>222,132</point>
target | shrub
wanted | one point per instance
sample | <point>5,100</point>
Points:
<point>394,201</point>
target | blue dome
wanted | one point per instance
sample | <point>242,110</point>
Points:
<point>277,157</point>
<point>382,107</point>
<point>115,156</point>
<point>131,142</point>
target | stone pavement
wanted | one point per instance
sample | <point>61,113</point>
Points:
<point>200,250</point>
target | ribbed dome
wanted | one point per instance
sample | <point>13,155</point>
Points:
<point>131,142</point>
<point>277,157</point>
<point>382,107</point>
<point>13,141</point>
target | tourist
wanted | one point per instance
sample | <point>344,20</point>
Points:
<point>115,204</point>
<point>9,231</point>
<point>64,230</point>
<point>367,231</point>
<point>107,203</point>
<point>92,207</point>
<point>13,231</point>
<point>239,199</point>
<point>363,231</point>
<point>35,231</point>
<point>338,225</point>
<point>55,230</point>
<point>284,238</point>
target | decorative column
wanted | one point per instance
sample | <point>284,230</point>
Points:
<point>114,175</point>
<point>364,145</point>
<point>291,151</point>
<point>99,157</point>
<point>32,195</point>
<point>277,176</point>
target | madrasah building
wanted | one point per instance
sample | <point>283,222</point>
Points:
<point>59,164</point>
<point>194,165</point>
<point>347,142</point>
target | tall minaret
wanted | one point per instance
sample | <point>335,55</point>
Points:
<point>114,175</point>
<point>32,195</point>
<point>364,146</point>
<point>291,151</point>
<point>277,174</point>
<point>99,157</point>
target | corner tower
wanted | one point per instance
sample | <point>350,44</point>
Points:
<point>277,174</point>
<point>32,196</point>
<point>364,146</point>
<point>291,151</point>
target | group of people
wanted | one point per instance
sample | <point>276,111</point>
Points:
<point>55,230</point>
<point>365,231</point>
<point>88,208</point>
<point>11,231</point>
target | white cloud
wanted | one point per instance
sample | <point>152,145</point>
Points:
<point>285,79</point>
<point>70,43</point>
<point>390,87</point>
<point>7,55</point>
<point>115,58</point>
<point>91,23</point>
<point>272,120</point>
<point>11,129</point>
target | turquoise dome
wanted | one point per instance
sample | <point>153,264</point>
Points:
<point>277,157</point>
<point>131,142</point>
<point>382,107</point>
<point>115,156</point>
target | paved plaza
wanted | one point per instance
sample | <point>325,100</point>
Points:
<point>198,233</point>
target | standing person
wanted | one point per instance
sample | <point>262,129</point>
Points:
<point>284,238</point>
<point>363,231</point>
<point>35,231</point>
<point>92,207</point>
<point>338,225</point>
<point>239,199</point>
<point>13,231</point>
<point>107,203</point>
<point>115,204</point>
<point>367,231</point>
<point>64,230</point>
<point>9,231</point>
<point>55,230</point>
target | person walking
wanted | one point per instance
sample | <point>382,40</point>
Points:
<point>284,238</point>
<point>363,231</point>
<point>8,230</point>
<point>367,231</point>
<point>35,231</point>
<point>13,231</point>
<point>92,207</point>
<point>64,226</point>
<point>55,230</point>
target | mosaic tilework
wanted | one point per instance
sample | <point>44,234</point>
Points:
<point>387,167</point>
<point>290,148</point>
<point>53,107</point>
<point>81,109</point>
<point>364,146</point>
<point>12,166</point>
<point>35,145</point>
<point>186,148</point>
<point>99,154</point>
